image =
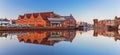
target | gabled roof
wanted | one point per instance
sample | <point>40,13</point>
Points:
<point>67,17</point>
<point>21,16</point>
<point>47,16</point>
<point>28,15</point>
<point>35,15</point>
<point>44,15</point>
<point>4,19</point>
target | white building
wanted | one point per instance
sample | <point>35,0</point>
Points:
<point>4,22</point>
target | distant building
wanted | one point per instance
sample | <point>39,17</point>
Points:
<point>84,26</point>
<point>4,22</point>
<point>104,23</point>
<point>95,22</point>
<point>13,21</point>
<point>117,20</point>
<point>110,22</point>
<point>46,19</point>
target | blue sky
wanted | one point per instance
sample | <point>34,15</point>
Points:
<point>82,10</point>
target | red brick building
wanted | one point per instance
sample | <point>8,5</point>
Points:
<point>46,19</point>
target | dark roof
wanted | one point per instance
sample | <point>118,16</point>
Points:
<point>35,15</point>
<point>21,16</point>
<point>4,19</point>
<point>28,15</point>
<point>67,17</point>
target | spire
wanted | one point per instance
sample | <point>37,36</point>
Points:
<point>71,15</point>
<point>116,17</point>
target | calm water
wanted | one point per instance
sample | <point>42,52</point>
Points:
<point>64,42</point>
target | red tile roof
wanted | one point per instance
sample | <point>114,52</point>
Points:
<point>44,15</point>
<point>28,15</point>
<point>35,15</point>
<point>21,16</point>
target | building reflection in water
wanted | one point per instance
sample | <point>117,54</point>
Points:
<point>10,34</point>
<point>47,37</point>
<point>52,37</point>
<point>2,34</point>
<point>105,33</point>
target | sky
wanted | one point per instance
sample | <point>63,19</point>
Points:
<point>82,10</point>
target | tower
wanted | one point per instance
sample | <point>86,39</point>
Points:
<point>95,22</point>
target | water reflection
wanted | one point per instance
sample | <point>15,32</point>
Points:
<point>65,42</point>
<point>55,36</point>
<point>106,33</point>
<point>47,37</point>
<point>6,33</point>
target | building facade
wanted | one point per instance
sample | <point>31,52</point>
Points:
<point>4,22</point>
<point>46,19</point>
